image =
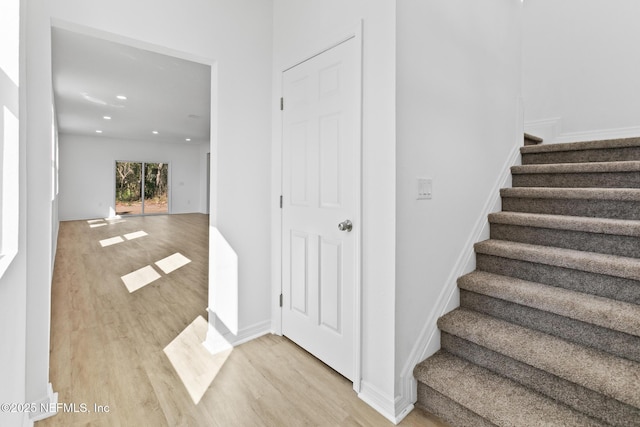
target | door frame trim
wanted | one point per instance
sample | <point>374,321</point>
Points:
<point>356,34</point>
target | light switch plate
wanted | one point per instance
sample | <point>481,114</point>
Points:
<point>425,188</point>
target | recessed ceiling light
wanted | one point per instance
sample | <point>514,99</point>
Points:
<point>188,139</point>
<point>98,131</point>
<point>155,132</point>
<point>106,117</point>
<point>122,97</point>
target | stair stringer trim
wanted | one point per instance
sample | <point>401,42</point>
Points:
<point>551,131</point>
<point>428,342</point>
<point>599,135</point>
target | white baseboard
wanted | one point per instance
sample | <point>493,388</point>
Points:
<point>46,407</point>
<point>550,130</point>
<point>598,135</point>
<point>219,338</point>
<point>428,342</point>
<point>403,405</point>
<point>384,404</point>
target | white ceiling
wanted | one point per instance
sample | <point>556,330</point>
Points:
<point>164,94</point>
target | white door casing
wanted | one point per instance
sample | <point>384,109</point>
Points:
<point>321,189</point>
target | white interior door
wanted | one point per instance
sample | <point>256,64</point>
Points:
<point>321,189</point>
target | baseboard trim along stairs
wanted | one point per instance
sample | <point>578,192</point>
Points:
<point>548,328</point>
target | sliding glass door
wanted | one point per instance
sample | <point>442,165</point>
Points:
<point>142,188</point>
<point>156,195</point>
<point>128,188</point>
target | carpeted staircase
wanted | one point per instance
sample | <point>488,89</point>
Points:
<point>548,328</point>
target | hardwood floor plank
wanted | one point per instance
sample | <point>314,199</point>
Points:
<point>141,352</point>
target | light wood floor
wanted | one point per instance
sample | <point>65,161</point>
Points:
<point>140,353</point>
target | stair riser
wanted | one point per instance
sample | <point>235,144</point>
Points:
<point>448,410</point>
<point>617,209</point>
<point>616,288</point>
<point>611,244</point>
<point>613,342</point>
<point>580,398</point>
<point>579,156</point>
<point>578,180</point>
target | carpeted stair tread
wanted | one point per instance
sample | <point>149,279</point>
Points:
<point>609,375</point>
<point>600,311</point>
<point>585,145</point>
<point>611,265</point>
<point>589,402</point>
<point>617,194</point>
<point>448,410</point>
<point>621,227</point>
<point>623,174</point>
<point>582,152</point>
<point>617,288</point>
<point>592,167</point>
<point>499,400</point>
<point>531,139</point>
<point>619,203</point>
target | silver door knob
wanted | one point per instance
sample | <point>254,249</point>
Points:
<point>345,226</point>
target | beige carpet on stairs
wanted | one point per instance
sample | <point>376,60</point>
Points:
<point>548,328</point>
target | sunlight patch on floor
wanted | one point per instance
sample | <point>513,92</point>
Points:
<point>135,235</point>
<point>101,222</point>
<point>140,278</point>
<point>173,262</point>
<point>111,241</point>
<point>118,239</point>
<point>196,367</point>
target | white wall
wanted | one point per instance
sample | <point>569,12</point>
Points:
<point>581,69</point>
<point>458,89</point>
<point>13,319</point>
<point>302,28</point>
<point>87,173</point>
<point>13,308</point>
<point>40,146</point>
<point>236,38</point>
<point>13,283</point>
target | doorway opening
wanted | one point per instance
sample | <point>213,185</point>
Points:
<point>141,188</point>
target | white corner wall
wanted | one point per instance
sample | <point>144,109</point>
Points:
<point>581,69</point>
<point>303,28</point>
<point>13,317</point>
<point>87,174</point>
<point>13,324</point>
<point>13,283</point>
<point>235,37</point>
<point>41,199</point>
<point>458,90</point>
